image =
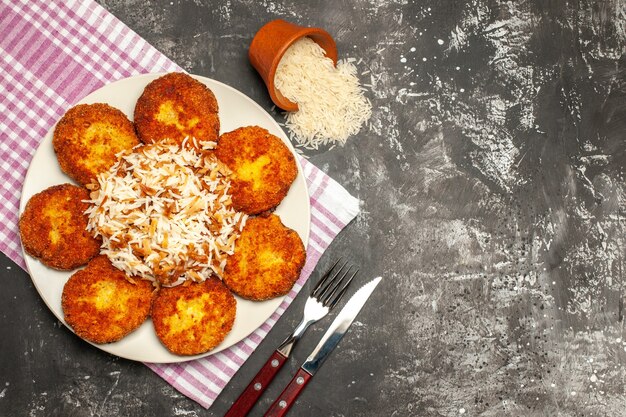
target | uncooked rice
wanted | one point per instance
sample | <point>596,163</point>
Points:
<point>331,103</point>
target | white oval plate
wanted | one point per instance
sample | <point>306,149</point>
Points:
<point>235,110</point>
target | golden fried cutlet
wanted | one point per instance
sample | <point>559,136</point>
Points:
<point>53,227</point>
<point>88,137</point>
<point>102,305</point>
<point>262,165</point>
<point>176,106</point>
<point>267,261</point>
<point>193,318</point>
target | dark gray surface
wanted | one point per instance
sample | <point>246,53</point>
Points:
<point>492,186</point>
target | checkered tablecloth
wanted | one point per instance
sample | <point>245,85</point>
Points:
<point>53,53</point>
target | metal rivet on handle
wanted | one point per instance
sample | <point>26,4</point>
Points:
<point>258,386</point>
<point>274,363</point>
<point>282,404</point>
<point>299,380</point>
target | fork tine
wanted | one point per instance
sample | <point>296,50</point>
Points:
<point>326,280</point>
<point>332,283</point>
<point>341,292</point>
<point>329,293</point>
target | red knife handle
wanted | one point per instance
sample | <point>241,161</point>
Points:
<point>289,394</point>
<point>259,383</point>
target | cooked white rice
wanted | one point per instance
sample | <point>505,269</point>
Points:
<point>164,213</point>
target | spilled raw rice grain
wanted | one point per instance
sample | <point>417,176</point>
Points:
<point>331,103</point>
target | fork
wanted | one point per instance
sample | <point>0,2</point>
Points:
<point>323,298</point>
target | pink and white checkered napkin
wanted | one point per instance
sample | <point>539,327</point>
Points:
<point>53,53</point>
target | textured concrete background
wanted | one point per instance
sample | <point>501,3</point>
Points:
<point>491,176</point>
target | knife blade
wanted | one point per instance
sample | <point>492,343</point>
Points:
<point>329,341</point>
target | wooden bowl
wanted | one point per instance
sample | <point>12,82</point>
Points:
<point>269,45</point>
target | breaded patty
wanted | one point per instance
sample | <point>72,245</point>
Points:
<point>176,106</point>
<point>102,305</point>
<point>88,137</point>
<point>263,168</point>
<point>267,261</point>
<point>193,318</point>
<point>53,227</point>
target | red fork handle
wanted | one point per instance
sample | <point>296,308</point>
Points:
<point>286,399</point>
<point>259,383</point>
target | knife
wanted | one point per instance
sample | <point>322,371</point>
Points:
<point>329,341</point>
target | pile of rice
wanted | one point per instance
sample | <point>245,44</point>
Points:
<point>331,103</point>
<point>165,214</point>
